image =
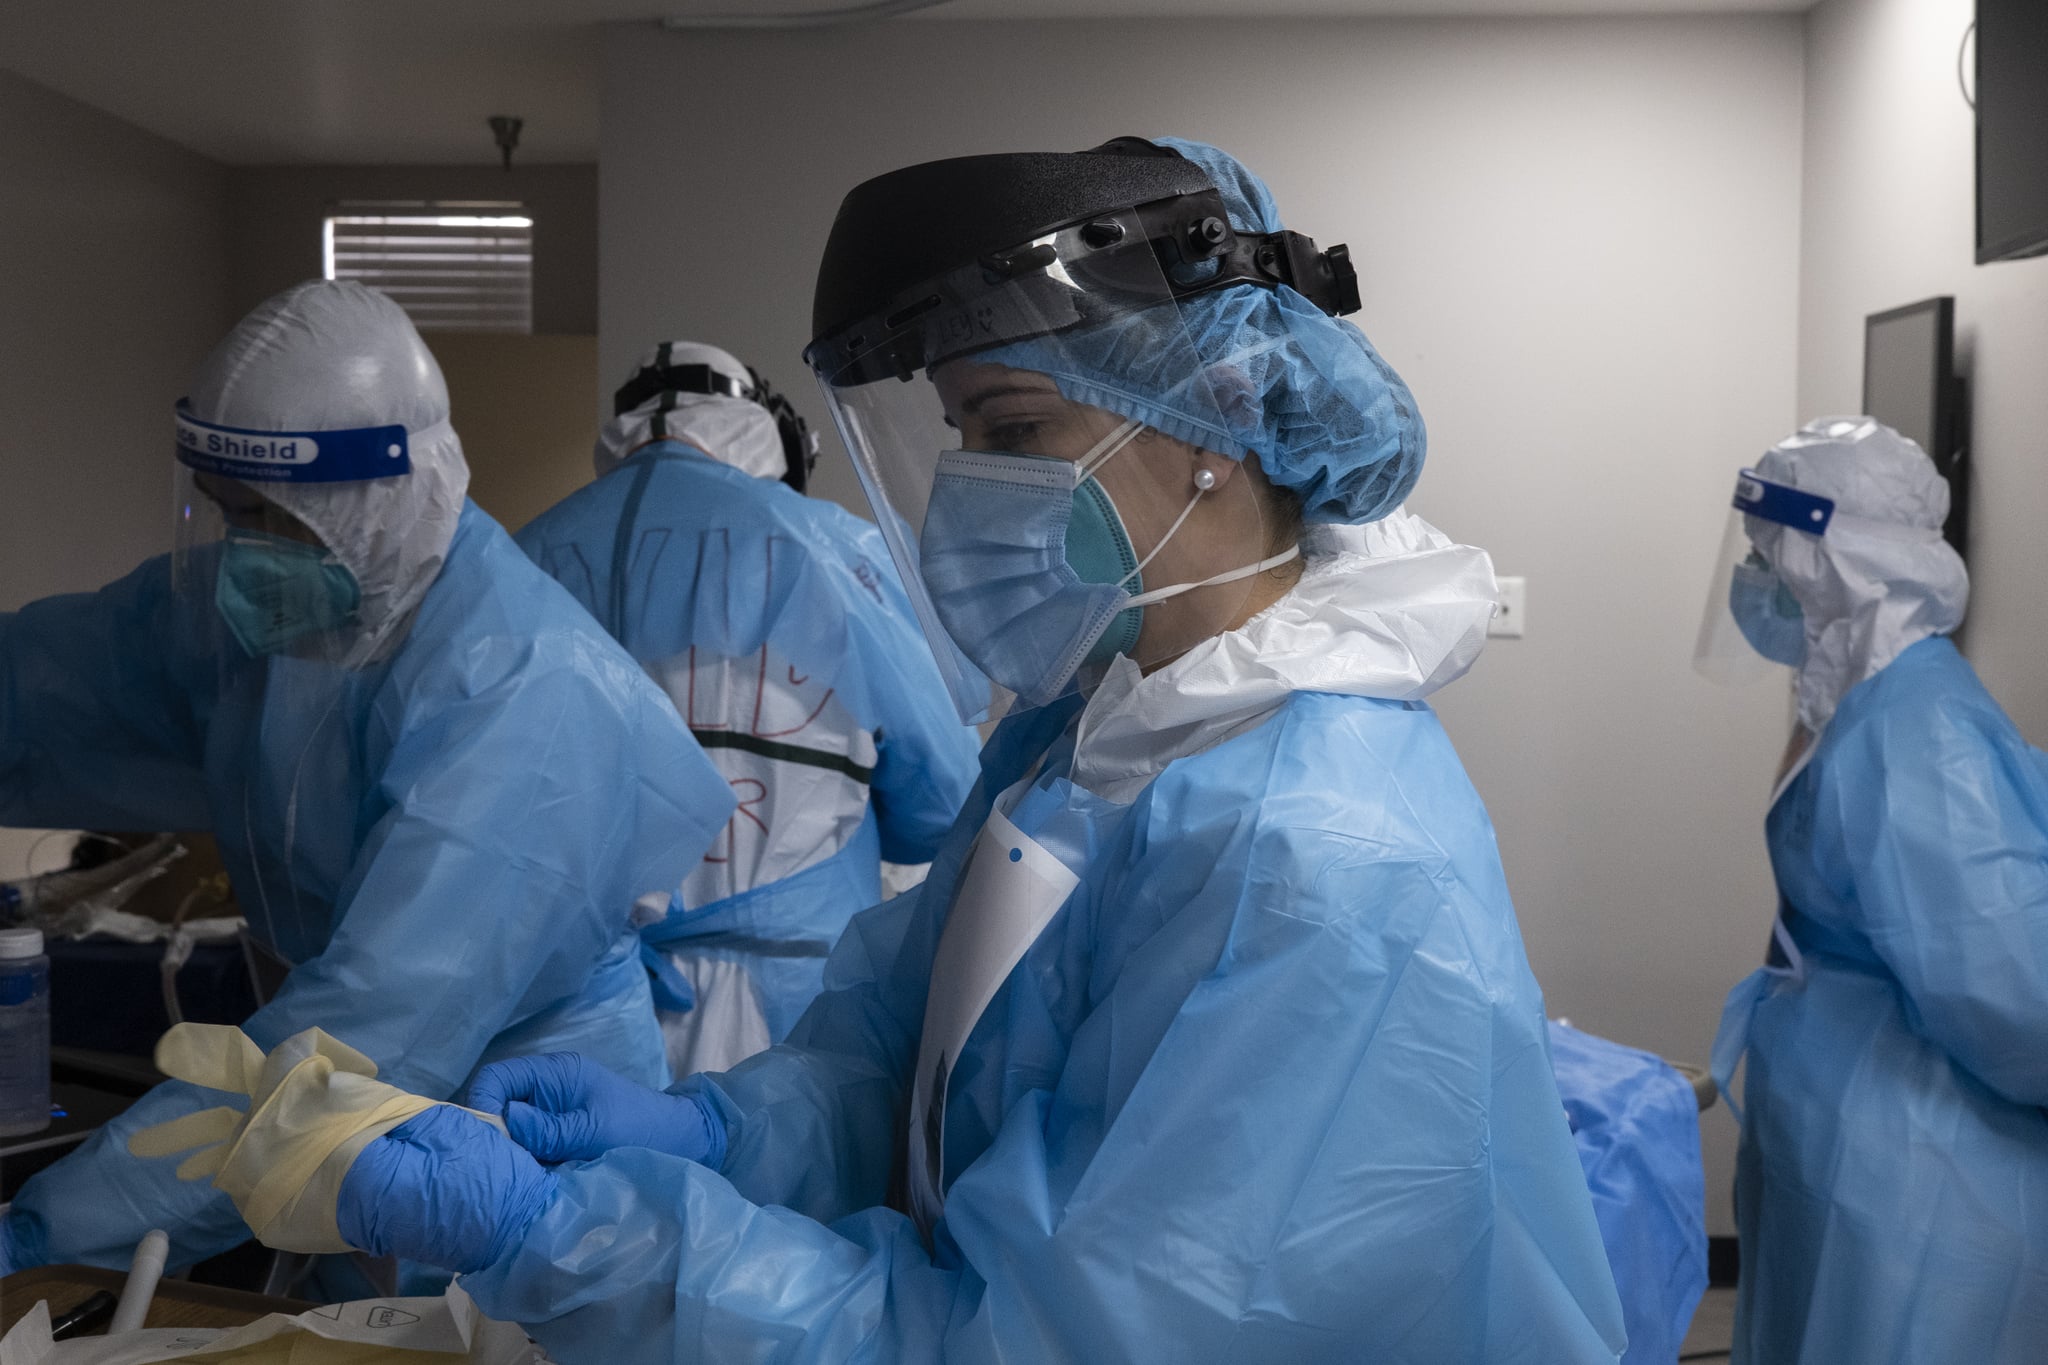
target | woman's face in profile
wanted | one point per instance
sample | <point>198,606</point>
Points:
<point>1152,481</point>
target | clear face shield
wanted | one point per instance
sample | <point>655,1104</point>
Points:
<point>1752,626</point>
<point>245,561</point>
<point>266,597</point>
<point>1039,439</point>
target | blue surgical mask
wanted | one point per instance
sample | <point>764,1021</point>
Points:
<point>1767,613</point>
<point>273,592</point>
<point>1005,544</point>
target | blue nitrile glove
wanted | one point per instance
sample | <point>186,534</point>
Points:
<point>565,1107</point>
<point>444,1187</point>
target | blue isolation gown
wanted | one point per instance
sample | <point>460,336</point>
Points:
<point>448,850</point>
<point>1636,1123</point>
<point>1273,1085</point>
<point>1892,1184</point>
<point>839,738</point>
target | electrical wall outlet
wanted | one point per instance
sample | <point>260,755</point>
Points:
<point>1509,620</point>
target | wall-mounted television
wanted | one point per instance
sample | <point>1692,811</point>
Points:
<point>2012,129</point>
<point>1910,384</point>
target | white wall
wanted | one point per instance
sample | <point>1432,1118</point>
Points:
<point>1579,242</point>
<point>1889,219</point>
<point>112,288</point>
<point>523,405</point>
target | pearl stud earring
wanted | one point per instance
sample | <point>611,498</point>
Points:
<point>1205,479</point>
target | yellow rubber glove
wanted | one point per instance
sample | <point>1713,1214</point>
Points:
<point>314,1104</point>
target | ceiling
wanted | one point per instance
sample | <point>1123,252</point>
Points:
<point>259,82</point>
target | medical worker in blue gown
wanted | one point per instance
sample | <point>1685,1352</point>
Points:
<point>438,787</point>
<point>778,627</point>
<point>1210,1036</point>
<point>1892,1183</point>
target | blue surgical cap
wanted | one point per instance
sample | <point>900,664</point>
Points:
<point>1271,374</point>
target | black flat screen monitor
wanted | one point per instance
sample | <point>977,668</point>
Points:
<point>1910,385</point>
<point>2012,129</point>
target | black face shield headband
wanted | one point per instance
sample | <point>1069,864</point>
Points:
<point>1016,244</point>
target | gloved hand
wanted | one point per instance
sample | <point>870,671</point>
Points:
<point>7,1265</point>
<point>313,1103</point>
<point>565,1107</point>
<point>444,1187</point>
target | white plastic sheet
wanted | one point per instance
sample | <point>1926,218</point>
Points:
<point>445,1329</point>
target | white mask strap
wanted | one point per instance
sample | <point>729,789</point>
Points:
<point>1161,594</point>
<point>1106,449</point>
<point>1101,452</point>
<point>1171,531</point>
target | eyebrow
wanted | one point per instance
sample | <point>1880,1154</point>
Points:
<point>972,406</point>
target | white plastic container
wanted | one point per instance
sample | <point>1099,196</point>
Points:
<point>24,1033</point>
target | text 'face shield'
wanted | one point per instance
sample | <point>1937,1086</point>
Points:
<point>1051,463</point>
<point>1752,625</point>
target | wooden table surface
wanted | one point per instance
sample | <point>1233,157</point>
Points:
<point>176,1304</point>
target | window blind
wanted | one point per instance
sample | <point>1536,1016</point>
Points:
<point>464,271</point>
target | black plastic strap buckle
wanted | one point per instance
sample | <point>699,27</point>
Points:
<point>1325,278</point>
<point>1194,229</point>
<point>659,379</point>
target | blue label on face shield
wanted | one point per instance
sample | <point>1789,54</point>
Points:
<point>1781,503</point>
<point>292,456</point>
